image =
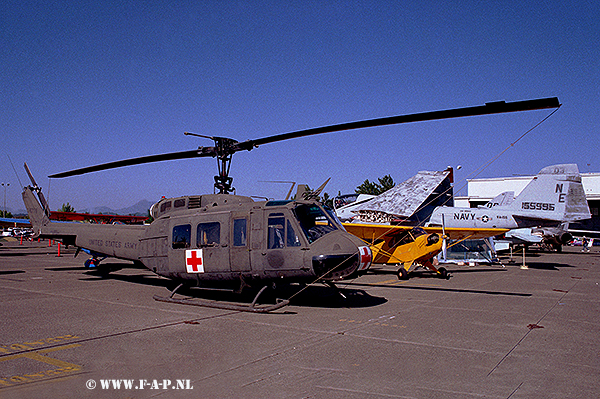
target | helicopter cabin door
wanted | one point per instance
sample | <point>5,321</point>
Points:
<point>212,237</point>
<point>283,245</point>
<point>239,253</point>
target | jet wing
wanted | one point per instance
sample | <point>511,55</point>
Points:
<point>524,235</point>
<point>405,198</point>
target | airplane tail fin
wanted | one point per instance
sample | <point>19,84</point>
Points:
<point>38,189</point>
<point>503,199</point>
<point>305,193</point>
<point>555,193</point>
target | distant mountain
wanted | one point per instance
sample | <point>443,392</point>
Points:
<point>139,208</point>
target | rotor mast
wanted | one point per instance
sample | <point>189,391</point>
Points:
<point>223,181</point>
<point>223,152</point>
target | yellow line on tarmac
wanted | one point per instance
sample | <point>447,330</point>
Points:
<point>37,355</point>
<point>386,282</point>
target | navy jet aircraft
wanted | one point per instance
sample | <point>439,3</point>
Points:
<point>554,196</point>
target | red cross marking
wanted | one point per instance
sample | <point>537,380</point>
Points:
<point>193,262</point>
<point>365,257</point>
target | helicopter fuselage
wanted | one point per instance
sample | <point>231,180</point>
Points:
<point>220,238</point>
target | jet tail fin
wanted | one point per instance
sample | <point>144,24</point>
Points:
<point>555,193</point>
<point>502,199</point>
<point>305,193</point>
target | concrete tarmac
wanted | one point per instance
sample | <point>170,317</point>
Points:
<point>487,332</point>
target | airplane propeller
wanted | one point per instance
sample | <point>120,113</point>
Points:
<point>224,147</point>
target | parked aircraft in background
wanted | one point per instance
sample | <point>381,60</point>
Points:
<point>344,205</point>
<point>554,196</point>
<point>548,237</point>
<point>400,245</point>
<point>412,200</point>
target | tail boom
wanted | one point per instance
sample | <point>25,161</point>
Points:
<point>119,241</point>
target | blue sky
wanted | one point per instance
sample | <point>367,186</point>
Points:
<point>89,82</point>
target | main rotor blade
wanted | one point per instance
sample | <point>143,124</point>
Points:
<point>225,147</point>
<point>489,108</point>
<point>200,152</point>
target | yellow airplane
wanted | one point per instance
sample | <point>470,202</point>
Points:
<point>412,246</point>
<point>404,246</point>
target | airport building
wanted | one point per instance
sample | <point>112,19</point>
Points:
<point>480,191</point>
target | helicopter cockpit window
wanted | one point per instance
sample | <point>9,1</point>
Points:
<point>182,236</point>
<point>208,234</point>
<point>314,222</point>
<point>239,232</point>
<point>333,216</point>
<point>165,206</point>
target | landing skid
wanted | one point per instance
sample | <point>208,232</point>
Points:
<point>336,289</point>
<point>253,307</point>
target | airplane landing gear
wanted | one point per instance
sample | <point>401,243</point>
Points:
<point>443,273</point>
<point>402,274</point>
<point>92,263</point>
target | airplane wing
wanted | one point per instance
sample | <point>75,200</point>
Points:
<point>524,235</point>
<point>372,232</point>
<point>405,198</point>
<point>459,233</point>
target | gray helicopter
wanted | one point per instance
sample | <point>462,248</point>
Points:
<point>233,241</point>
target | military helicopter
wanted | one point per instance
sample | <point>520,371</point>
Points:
<point>232,241</point>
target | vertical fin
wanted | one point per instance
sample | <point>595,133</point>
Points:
<point>555,193</point>
<point>37,216</point>
<point>38,211</point>
<point>502,199</point>
<point>36,188</point>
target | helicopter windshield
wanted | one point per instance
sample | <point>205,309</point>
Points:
<point>333,216</point>
<point>314,221</point>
